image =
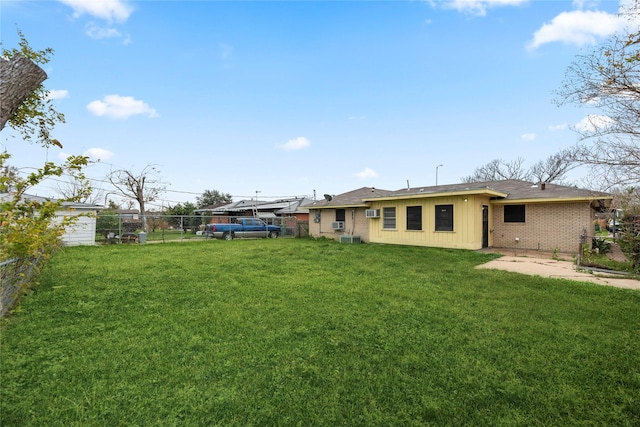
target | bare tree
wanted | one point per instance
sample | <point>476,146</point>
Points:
<point>79,189</point>
<point>497,170</point>
<point>608,79</point>
<point>141,187</point>
<point>554,168</point>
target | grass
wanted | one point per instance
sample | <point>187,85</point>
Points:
<point>302,332</point>
<point>590,259</point>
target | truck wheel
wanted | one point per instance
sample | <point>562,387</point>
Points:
<point>273,234</point>
<point>227,236</point>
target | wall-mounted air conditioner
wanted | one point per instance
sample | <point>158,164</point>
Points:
<point>337,225</point>
<point>372,213</point>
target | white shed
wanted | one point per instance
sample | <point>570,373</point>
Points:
<point>83,232</point>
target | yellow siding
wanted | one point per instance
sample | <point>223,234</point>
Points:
<point>467,223</point>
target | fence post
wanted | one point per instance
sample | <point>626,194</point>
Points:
<point>583,237</point>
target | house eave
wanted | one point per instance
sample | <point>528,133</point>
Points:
<point>453,193</point>
<point>351,206</point>
<point>550,200</point>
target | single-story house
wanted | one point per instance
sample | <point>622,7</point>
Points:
<point>342,214</point>
<point>499,214</point>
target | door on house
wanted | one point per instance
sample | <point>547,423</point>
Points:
<point>485,226</point>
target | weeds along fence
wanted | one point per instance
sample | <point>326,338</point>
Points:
<point>599,242</point>
<point>15,277</point>
<point>126,228</point>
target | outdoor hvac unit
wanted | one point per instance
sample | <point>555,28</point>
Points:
<point>337,225</point>
<point>372,213</point>
<point>350,239</point>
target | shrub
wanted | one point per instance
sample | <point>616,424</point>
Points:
<point>629,239</point>
<point>600,246</point>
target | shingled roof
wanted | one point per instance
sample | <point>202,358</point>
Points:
<point>352,198</point>
<point>505,191</point>
<point>510,189</point>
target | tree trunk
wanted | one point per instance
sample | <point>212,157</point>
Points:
<point>19,77</point>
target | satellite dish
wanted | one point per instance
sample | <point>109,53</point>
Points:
<point>328,197</point>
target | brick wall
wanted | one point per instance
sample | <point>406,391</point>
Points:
<point>355,223</point>
<point>547,227</point>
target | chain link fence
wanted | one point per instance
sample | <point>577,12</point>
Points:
<point>113,228</point>
<point>598,243</point>
<point>15,277</point>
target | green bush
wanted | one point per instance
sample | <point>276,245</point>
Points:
<point>600,246</point>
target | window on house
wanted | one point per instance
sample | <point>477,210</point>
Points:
<point>389,218</point>
<point>514,213</point>
<point>340,214</point>
<point>414,217</point>
<point>444,217</point>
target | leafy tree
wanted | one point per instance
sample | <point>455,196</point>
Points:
<point>141,187</point>
<point>608,79</point>
<point>108,222</point>
<point>30,227</point>
<point>213,197</point>
<point>183,215</point>
<point>34,116</point>
<point>9,175</point>
<point>628,239</point>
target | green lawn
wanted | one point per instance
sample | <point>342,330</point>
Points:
<point>301,332</point>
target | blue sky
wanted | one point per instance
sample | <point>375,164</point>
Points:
<point>287,98</point>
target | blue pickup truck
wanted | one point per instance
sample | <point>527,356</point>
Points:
<point>242,227</point>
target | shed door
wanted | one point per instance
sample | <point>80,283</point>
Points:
<point>485,226</point>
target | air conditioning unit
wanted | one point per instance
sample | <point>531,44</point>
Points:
<point>350,239</point>
<point>372,213</point>
<point>337,225</point>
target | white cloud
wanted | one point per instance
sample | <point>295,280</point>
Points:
<point>579,27</point>
<point>528,137</point>
<point>561,126</point>
<point>594,122</point>
<point>120,107</point>
<point>96,32</point>
<point>98,154</point>
<point>366,173</point>
<point>298,143</point>
<point>479,7</point>
<point>57,94</point>
<point>109,10</point>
